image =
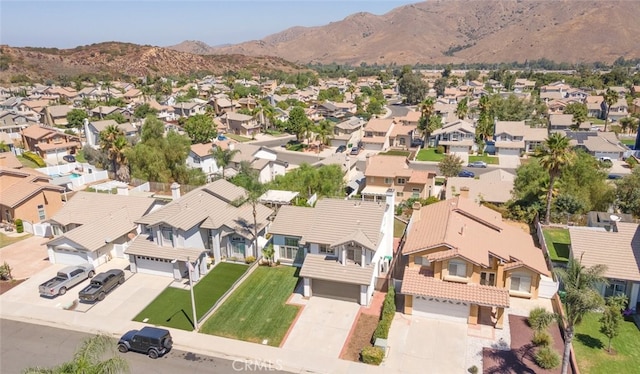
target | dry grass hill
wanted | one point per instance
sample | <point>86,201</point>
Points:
<point>460,31</point>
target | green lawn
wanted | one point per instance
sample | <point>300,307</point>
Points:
<point>558,243</point>
<point>238,138</point>
<point>429,154</point>
<point>590,346</point>
<point>80,156</point>
<point>7,240</point>
<point>595,121</point>
<point>172,308</point>
<point>628,141</point>
<point>256,311</point>
<point>398,228</point>
<point>396,153</point>
<point>486,158</point>
<point>27,163</point>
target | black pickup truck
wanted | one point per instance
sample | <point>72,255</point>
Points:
<point>101,284</point>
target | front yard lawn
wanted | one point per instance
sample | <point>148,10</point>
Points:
<point>394,152</point>
<point>628,141</point>
<point>429,154</point>
<point>238,138</point>
<point>591,345</point>
<point>172,308</point>
<point>486,158</point>
<point>6,240</point>
<point>558,242</point>
<point>256,311</point>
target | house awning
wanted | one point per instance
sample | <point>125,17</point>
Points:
<point>375,190</point>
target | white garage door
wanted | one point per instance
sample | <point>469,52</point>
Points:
<point>155,266</point>
<point>445,310</point>
<point>69,257</point>
<point>459,149</point>
<point>509,151</point>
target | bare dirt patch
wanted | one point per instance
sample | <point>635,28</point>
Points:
<point>361,337</point>
<point>7,285</point>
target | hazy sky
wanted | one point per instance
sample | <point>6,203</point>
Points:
<point>67,24</point>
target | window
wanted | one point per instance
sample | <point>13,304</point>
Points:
<point>290,248</point>
<point>167,236</point>
<point>41,213</point>
<point>291,242</point>
<point>387,180</point>
<point>399,194</point>
<point>415,192</point>
<point>402,181</point>
<point>403,141</point>
<point>419,260</point>
<point>196,159</point>
<point>487,279</point>
<point>615,288</point>
<point>325,250</point>
<point>520,283</point>
<point>458,269</point>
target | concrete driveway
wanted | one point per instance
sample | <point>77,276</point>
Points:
<point>323,326</point>
<point>509,161</point>
<point>417,344</point>
<point>26,257</point>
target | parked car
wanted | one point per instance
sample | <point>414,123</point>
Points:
<point>354,151</point>
<point>417,143</point>
<point>69,158</point>
<point>466,174</point>
<point>341,149</point>
<point>477,164</point>
<point>152,341</point>
<point>605,159</point>
<point>65,279</point>
<point>101,285</point>
<point>614,176</point>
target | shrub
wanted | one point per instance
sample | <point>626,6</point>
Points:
<point>547,358</point>
<point>541,339</point>
<point>372,355</point>
<point>539,319</point>
<point>5,271</point>
<point>388,311</point>
<point>19,225</point>
<point>473,369</point>
<point>35,158</point>
<point>249,259</point>
<point>439,149</point>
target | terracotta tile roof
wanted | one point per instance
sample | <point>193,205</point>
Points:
<point>421,177</point>
<point>387,166</point>
<point>379,125</point>
<point>494,186</point>
<point>418,281</point>
<point>16,191</point>
<point>36,132</point>
<point>619,251</point>
<point>63,145</point>
<point>475,231</point>
<point>402,130</point>
<point>202,150</point>
<point>9,160</point>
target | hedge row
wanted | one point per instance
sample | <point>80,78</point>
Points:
<point>35,158</point>
<point>388,311</point>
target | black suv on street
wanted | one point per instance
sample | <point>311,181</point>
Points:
<point>152,341</point>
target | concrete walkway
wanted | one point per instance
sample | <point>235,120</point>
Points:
<point>26,257</point>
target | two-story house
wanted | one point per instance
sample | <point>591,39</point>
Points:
<point>12,124</point>
<point>595,106</point>
<point>211,220</point>
<point>240,124</point>
<point>456,137</point>
<point>383,172</point>
<point>163,112</point>
<point>188,109</point>
<point>464,261</point>
<point>597,143</point>
<point>348,132</point>
<point>344,247</point>
<point>200,157</point>
<point>618,110</point>
<point>376,134</point>
<point>92,130</point>
<point>515,137</point>
<point>56,115</point>
<point>261,159</point>
<point>49,143</point>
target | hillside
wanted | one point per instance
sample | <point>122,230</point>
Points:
<point>461,31</point>
<point>120,59</point>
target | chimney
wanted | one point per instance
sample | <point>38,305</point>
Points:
<point>175,191</point>
<point>464,192</point>
<point>123,190</point>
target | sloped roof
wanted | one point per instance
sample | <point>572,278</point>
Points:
<point>494,186</point>
<point>457,125</point>
<point>202,149</point>
<point>15,191</point>
<point>9,160</point>
<point>379,125</point>
<point>144,246</point>
<point>86,207</point>
<point>475,231</point>
<point>328,268</point>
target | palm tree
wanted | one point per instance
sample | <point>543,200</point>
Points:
<point>223,157</point>
<point>462,108</point>
<point>554,155</point>
<point>118,150</point>
<point>610,98</point>
<point>426,107</point>
<point>108,138</point>
<point>323,130</point>
<point>255,189</point>
<point>88,359</point>
<point>581,297</point>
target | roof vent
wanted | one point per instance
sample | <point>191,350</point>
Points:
<point>615,218</point>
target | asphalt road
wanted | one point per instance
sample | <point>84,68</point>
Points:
<point>24,345</point>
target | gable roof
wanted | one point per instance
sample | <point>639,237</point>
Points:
<point>618,251</point>
<point>202,149</point>
<point>379,125</point>
<point>31,182</point>
<point>494,186</point>
<point>475,231</point>
<point>457,125</point>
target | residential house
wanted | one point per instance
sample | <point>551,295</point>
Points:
<point>27,194</point>
<point>13,124</point>
<point>348,132</point>
<point>188,109</point>
<point>595,106</point>
<point>445,110</point>
<point>597,143</point>
<point>493,187</point>
<point>515,137</point>
<point>456,137</point>
<point>56,115</point>
<point>92,130</point>
<point>9,160</point>
<point>12,103</point>
<point>618,249</point>
<point>346,109</point>
<point>208,220</point>
<point>261,159</point>
<point>383,172</point>
<point>102,111</point>
<point>94,227</point>
<point>464,263</point>
<point>376,134</point>
<point>618,110</point>
<point>563,122</point>
<point>50,144</point>
<point>133,95</point>
<point>164,112</point>
<point>635,106</point>
<point>606,220</point>
<point>411,118</point>
<point>344,247</point>
<point>327,109</point>
<point>247,103</point>
<point>402,135</point>
<point>200,157</point>
<point>523,84</point>
<point>241,124</point>
<point>221,104</point>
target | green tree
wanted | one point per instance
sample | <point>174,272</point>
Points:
<point>413,87</point>
<point>323,131</point>
<point>116,116</point>
<point>627,123</point>
<point>628,193</point>
<point>580,284</point>
<point>200,129</point>
<point>143,111</point>
<point>462,108</point>
<point>76,117</point>
<point>554,155</point>
<point>108,138</point>
<point>298,122</point>
<point>610,97</point>
<point>579,111</point>
<point>223,156</point>
<point>268,252</point>
<point>249,179</point>
<point>4,147</point>
<point>97,355</point>
<point>450,165</point>
<point>611,318</point>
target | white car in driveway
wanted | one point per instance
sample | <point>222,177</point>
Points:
<point>477,164</point>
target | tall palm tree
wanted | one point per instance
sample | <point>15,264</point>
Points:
<point>554,155</point>
<point>118,150</point>
<point>108,138</point>
<point>463,108</point>
<point>610,98</point>
<point>223,157</point>
<point>323,131</point>
<point>89,359</point>
<point>426,107</point>
<point>255,189</point>
<point>581,297</point>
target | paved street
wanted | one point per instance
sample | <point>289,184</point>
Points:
<point>27,345</point>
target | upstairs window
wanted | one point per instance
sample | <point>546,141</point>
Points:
<point>457,269</point>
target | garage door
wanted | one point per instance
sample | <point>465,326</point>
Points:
<point>509,151</point>
<point>459,149</point>
<point>445,310</point>
<point>69,257</point>
<point>335,290</point>
<point>155,266</point>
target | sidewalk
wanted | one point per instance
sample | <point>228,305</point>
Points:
<point>279,358</point>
